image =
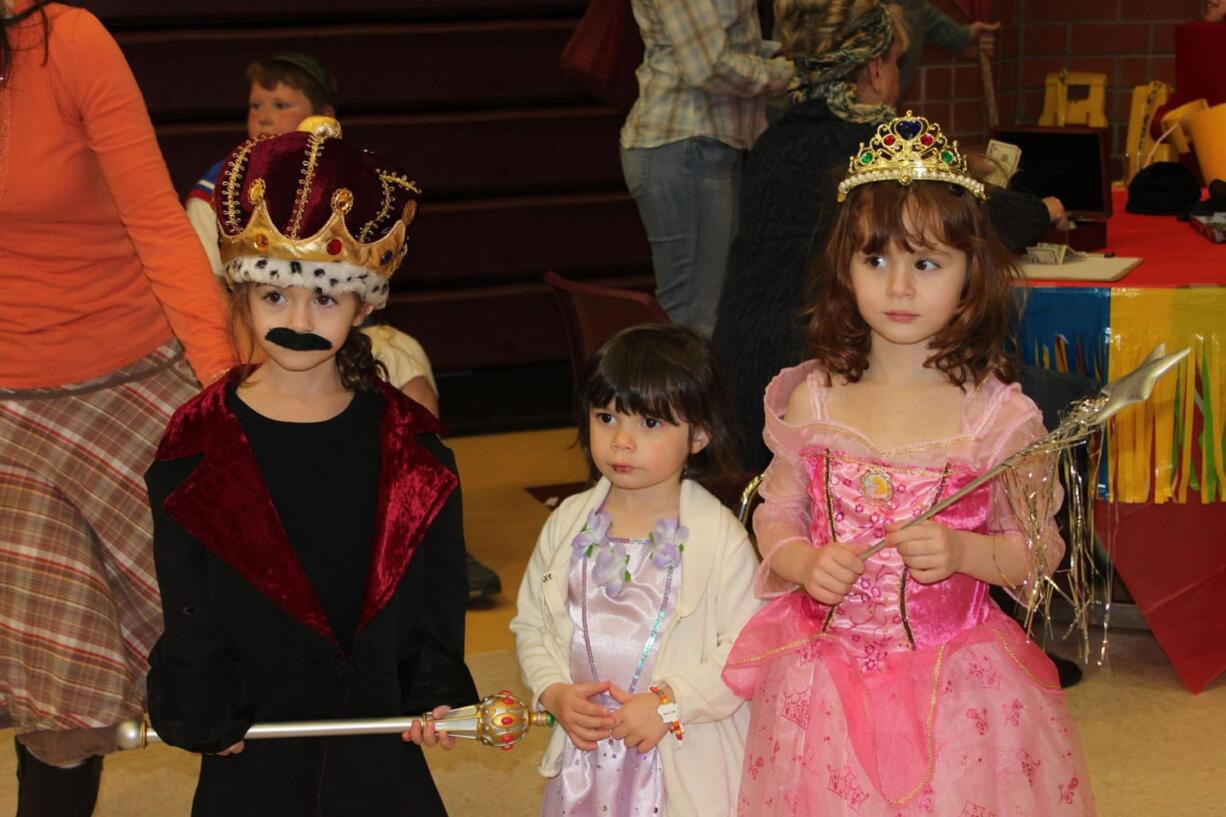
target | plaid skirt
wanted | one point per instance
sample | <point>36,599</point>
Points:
<point>79,606</point>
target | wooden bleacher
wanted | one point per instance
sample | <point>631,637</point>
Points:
<point>520,172</point>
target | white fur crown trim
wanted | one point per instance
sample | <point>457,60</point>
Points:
<point>326,277</point>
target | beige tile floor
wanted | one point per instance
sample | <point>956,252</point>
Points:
<point>1154,749</point>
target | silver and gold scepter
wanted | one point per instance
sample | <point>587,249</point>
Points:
<point>1081,420</point>
<point>500,720</point>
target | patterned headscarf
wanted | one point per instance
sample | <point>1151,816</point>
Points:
<point>826,76</point>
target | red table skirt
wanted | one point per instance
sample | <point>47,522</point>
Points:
<point>1170,558</point>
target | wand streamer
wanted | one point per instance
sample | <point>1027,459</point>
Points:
<point>1082,419</point>
<point>1030,495</point>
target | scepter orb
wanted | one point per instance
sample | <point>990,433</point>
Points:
<point>500,720</point>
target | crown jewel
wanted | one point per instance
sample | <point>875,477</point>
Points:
<point>907,149</point>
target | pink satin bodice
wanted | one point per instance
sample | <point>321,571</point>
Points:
<point>853,499</point>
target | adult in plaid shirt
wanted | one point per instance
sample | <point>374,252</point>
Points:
<point>702,90</point>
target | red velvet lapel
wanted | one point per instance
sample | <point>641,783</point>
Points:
<point>225,505</point>
<point>413,486</point>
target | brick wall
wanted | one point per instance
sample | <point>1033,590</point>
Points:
<point>949,90</point>
<point>1131,41</point>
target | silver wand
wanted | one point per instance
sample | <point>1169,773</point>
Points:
<point>500,720</point>
<point>1083,417</point>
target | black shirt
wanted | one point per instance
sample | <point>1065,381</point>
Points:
<point>324,481</point>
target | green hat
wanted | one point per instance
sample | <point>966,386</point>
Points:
<point>315,70</point>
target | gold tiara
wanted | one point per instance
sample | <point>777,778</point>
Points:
<point>907,149</point>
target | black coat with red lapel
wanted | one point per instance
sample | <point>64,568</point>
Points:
<point>246,638</point>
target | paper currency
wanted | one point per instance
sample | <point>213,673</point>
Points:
<point>1045,253</point>
<point>1005,159</point>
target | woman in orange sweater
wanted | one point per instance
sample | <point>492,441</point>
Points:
<point>99,273</point>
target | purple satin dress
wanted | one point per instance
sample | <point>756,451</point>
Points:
<point>612,781</point>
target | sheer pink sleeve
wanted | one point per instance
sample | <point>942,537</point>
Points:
<point>785,515</point>
<point>1030,488</point>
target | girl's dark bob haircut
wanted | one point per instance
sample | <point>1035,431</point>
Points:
<point>669,373</point>
<point>978,342</point>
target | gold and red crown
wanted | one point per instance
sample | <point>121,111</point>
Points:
<point>906,149</point>
<point>308,209</point>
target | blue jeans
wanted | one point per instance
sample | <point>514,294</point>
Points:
<point>687,194</point>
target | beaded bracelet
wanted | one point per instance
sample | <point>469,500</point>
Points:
<point>668,712</point>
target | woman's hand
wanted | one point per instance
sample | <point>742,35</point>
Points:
<point>428,735</point>
<point>232,749</point>
<point>831,573</point>
<point>982,39</point>
<point>932,551</point>
<point>638,723</point>
<point>1056,213</point>
<point>584,720</point>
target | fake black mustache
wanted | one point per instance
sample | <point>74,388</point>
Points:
<point>297,341</point>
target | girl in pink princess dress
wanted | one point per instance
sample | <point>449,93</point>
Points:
<point>892,686</point>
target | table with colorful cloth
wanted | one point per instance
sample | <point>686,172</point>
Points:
<point>1162,488</point>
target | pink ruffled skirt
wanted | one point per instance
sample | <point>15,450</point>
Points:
<point>973,727</point>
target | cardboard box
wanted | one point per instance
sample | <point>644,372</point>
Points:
<point>1069,163</point>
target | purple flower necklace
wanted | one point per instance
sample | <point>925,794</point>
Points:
<point>612,572</point>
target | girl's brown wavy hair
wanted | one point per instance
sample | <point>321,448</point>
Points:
<point>978,342</point>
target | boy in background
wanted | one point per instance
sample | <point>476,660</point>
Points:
<point>284,90</point>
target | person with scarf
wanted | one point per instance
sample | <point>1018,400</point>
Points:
<point>847,55</point>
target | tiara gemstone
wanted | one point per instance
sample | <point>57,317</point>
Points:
<point>908,129</point>
<point>888,140</point>
<point>866,158</point>
<point>926,140</point>
<point>334,247</point>
<point>947,157</point>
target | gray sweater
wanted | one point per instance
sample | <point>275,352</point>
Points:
<point>928,25</point>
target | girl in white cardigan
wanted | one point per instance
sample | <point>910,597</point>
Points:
<point>637,590</point>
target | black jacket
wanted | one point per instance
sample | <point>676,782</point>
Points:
<point>787,208</point>
<point>247,641</point>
